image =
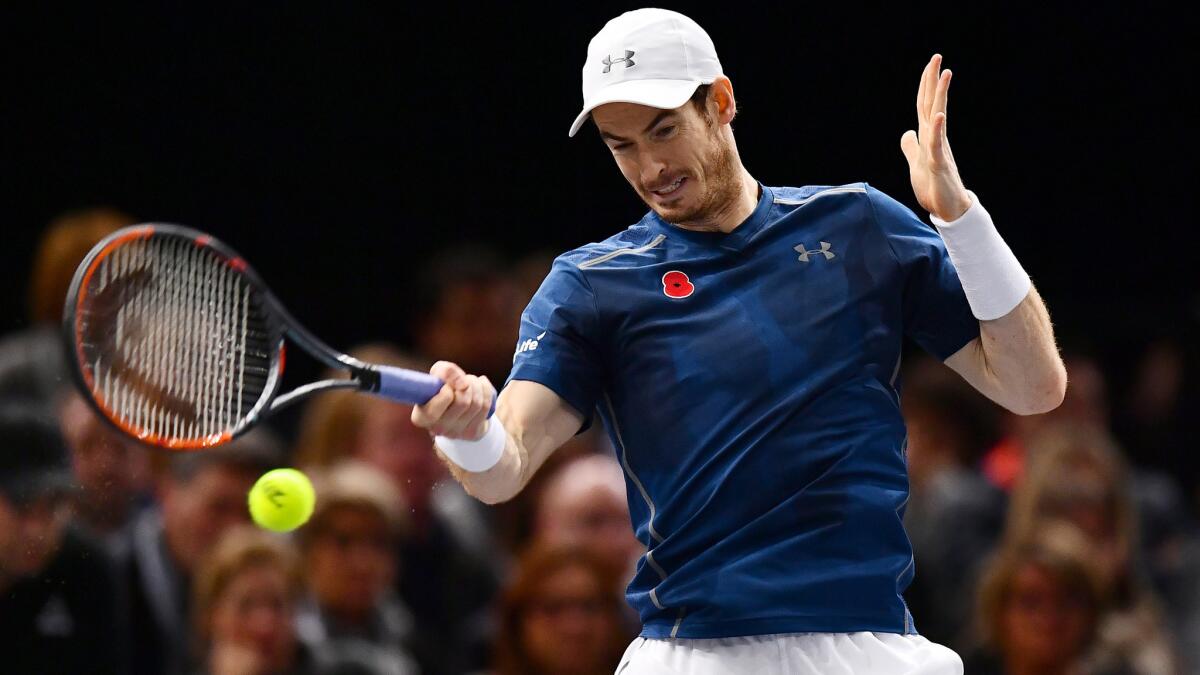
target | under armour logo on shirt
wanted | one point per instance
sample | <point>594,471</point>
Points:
<point>824,250</point>
<point>609,60</point>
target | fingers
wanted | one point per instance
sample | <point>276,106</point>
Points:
<point>448,372</point>
<point>938,143</point>
<point>910,147</point>
<point>481,403</point>
<point>941,94</point>
<point>925,93</point>
<point>429,414</point>
<point>922,107</point>
<point>460,408</point>
<point>432,414</point>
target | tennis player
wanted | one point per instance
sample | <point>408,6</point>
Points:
<point>742,344</point>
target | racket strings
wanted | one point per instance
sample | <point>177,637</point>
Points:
<point>176,340</point>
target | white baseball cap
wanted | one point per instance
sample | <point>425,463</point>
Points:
<point>652,57</point>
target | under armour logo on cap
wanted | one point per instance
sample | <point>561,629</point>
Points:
<point>824,250</point>
<point>609,61</point>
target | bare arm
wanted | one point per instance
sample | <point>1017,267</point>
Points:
<point>1015,361</point>
<point>536,421</point>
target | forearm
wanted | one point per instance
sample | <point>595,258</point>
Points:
<point>1015,361</point>
<point>510,474</point>
<point>534,422</point>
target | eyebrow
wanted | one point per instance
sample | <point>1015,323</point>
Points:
<point>653,123</point>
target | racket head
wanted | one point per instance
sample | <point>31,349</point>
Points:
<point>172,337</point>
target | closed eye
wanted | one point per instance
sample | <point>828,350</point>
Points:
<point>664,132</point>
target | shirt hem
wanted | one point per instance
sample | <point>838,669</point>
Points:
<point>702,630</point>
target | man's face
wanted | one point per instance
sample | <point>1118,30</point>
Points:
<point>197,511</point>
<point>110,470</point>
<point>30,535</point>
<point>678,162</point>
<point>351,561</point>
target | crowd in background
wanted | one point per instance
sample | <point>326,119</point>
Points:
<point>1062,543</point>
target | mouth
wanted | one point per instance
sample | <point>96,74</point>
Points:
<point>670,190</point>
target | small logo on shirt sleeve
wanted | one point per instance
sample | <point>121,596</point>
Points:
<point>677,285</point>
<point>528,345</point>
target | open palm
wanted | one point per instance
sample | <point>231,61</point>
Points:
<point>931,167</point>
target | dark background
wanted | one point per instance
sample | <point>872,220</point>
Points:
<point>338,145</point>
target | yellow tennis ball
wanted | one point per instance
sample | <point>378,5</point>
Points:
<point>282,500</point>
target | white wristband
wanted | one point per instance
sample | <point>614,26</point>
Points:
<point>479,455</point>
<point>991,275</point>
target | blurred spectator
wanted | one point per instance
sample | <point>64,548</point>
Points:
<point>1077,476</point>
<point>1156,422</point>
<point>202,494</point>
<point>1041,604</point>
<point>470,311</point>
<point>112,474</point>
<point>583,504</point>
<point>449,563</point>
<point>949,427</point>
<point>246,592</point>
<point>349,549</point>
<point>561,616</point>
<point>58,594</point>
<point>32,363</point>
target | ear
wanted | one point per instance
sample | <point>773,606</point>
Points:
<point>720,96</point>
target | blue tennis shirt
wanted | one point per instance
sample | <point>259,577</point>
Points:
<point>748,382</point>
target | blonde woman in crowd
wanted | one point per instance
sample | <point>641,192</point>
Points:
<point>1077,475</point>
<point>244,609</point>
<point>1041,604</point>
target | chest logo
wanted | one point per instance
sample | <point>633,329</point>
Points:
<point>824,250</point>
<point>677,285</point>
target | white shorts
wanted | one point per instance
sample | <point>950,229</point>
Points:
<point>792,654</point>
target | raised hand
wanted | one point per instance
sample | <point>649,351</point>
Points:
<point>931,166</point>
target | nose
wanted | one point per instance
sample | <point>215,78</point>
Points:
<point>264,626</point>
<point>652,167</point>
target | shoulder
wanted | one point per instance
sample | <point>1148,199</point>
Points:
<point>848,195</point>
<point>797,196</point>
<point>622,248</point>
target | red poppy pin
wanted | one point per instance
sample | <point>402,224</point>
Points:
<point>677,285</point>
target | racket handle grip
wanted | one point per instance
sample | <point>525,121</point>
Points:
<point>411,386</point>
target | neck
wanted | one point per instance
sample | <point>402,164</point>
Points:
<point>734,211</point>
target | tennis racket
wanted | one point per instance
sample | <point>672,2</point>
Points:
<point>177,342</point>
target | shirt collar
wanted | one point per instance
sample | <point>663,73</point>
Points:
<point>733,241</point>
